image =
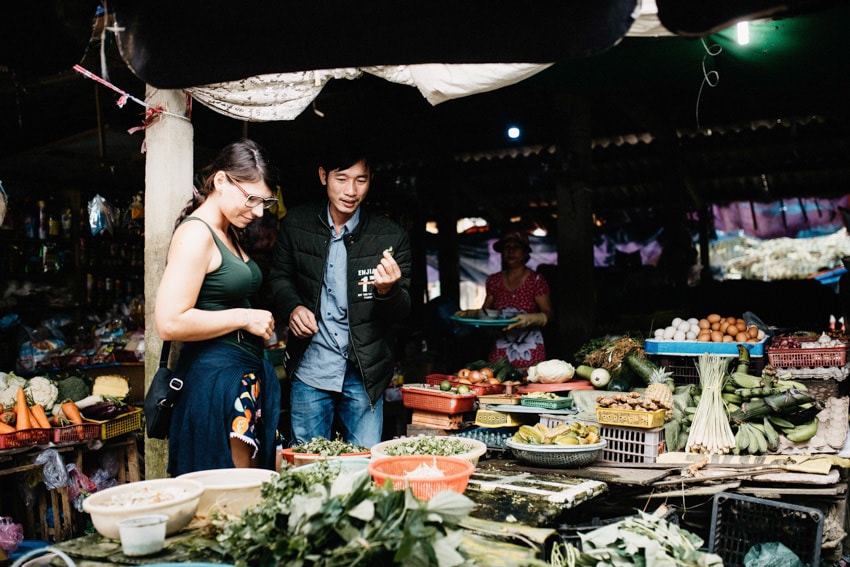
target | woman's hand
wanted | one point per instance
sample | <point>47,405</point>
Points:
<point>259,322</point>
<point>526,320</point>
<point>467,313</point>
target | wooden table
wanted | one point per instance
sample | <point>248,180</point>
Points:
<point>52,517</point>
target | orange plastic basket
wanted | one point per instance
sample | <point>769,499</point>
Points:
<point>457,472</point>
<point>433,399</point>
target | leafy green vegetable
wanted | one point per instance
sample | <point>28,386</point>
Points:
<point>331,518</point>
<point>73,388</point>
<point>428,445</point>
<point>328,448</point>
<point>643,539</point>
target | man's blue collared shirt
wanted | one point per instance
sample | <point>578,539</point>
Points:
<point>324,361</point>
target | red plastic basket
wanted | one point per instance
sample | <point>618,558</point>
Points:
<point>456,470</point>
<point>426,398</point>
<point>75,433</point>
<point>480,389</point>
<point>24,438</point>
<point>806,357</point>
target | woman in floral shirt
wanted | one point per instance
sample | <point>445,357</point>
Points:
<point>521,293</point>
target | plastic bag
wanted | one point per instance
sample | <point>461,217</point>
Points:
<point>53,471</point>
<point>11,534</point>
<point>101,216</point>
<point>771,554</point>
<point>110,463</point>
<point>79,487</point>
<point>103,480</point>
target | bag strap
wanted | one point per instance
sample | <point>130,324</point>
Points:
<point>163,357</point>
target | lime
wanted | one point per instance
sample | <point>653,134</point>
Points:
<point>463,389</point>
<point>445,385</point>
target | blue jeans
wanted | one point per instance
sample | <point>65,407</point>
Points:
<point>313,412</point>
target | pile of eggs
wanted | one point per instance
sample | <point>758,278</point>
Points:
<point>714,328</point>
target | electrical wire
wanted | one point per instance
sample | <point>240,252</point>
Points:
<point>710,78</point>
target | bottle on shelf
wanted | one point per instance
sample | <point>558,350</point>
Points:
<point>66,223</point>
<point>43,228</point>
<point>29,223</point>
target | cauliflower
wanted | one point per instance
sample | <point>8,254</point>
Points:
<point>42,390</point>
<point>9,389</point>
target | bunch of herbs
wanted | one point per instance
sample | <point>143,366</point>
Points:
<point>329,518</point>
<point>328,448</point>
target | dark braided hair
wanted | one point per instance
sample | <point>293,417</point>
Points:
<point>243,160</point>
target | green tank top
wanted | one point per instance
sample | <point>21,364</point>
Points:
<point>229,286</point>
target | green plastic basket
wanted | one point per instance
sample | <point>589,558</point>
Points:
<point>546,403</point>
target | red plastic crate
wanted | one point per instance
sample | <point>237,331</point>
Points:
<point>480,389</point>
<point>24,438</point>
<point>430,399</point>
<point>806,357</point>
<point>75,433</point>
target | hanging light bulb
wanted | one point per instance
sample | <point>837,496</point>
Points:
<point>743,29</point>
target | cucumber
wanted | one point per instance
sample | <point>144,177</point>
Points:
<point>641,366</point>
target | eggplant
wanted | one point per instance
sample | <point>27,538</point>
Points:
<point>102,411</point>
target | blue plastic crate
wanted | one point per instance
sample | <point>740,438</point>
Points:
<point>493,438</point>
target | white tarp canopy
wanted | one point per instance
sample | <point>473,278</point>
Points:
<point>284,96</point>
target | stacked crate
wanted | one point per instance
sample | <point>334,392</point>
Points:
<point>821,368</point>
<point>436,412</point>
<point>624,444</point>
<point>680,357</point>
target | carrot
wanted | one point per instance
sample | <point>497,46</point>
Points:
<point>6,428</point>
<point>22,411</point>
<point>59,421</point>
<point>40,416</point>
<point>72,412</point>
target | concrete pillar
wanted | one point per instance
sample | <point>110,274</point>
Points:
<point>168,187</point>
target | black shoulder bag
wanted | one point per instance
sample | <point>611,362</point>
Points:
<point>163,393</point>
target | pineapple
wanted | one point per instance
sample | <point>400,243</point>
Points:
<point>659,390</point>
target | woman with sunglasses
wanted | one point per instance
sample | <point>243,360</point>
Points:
<point>229,408</point>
